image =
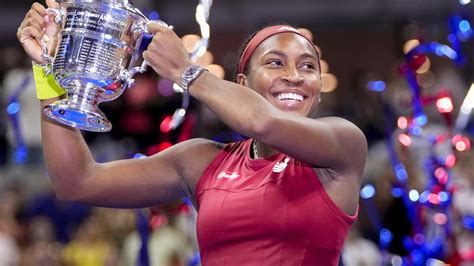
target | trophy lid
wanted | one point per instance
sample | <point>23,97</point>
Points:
<point>122,4</point>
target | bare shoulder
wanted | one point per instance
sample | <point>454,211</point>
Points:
<point>343,126</point>
<point>352,142</point>
<point>198,146</point>
<point>342,184</point>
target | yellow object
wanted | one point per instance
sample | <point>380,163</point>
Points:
<point>87,253</point>
<point>46,86</point>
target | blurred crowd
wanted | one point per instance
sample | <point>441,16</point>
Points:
<point>40,230</point>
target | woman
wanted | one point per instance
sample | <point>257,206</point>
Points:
<point>285,196</point>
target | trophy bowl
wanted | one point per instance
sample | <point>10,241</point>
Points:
<point>98,46</point>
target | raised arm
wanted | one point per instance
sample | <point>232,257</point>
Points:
<point>76,176</point>
<point>130,183</point>
<point>327,143</point>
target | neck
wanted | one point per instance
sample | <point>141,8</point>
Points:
<point>260,150</point>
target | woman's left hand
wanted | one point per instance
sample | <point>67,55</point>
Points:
<point>166,53</point>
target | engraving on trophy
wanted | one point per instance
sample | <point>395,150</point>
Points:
<point>94,21</point>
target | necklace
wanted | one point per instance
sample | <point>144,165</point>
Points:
<point>255,152</point>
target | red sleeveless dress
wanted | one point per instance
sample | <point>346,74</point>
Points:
<point>271,211</point>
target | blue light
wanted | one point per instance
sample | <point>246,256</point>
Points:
<point>377,85</point>
<point>21,154</point>
<point>468,222</point>
<point>420,120</point>
<point>401,173</point>
<point>424,196</point>
<point>464,2</point>
<point>187,201</point>
<point>452,38</point>
<point>154,16</point>
<point>434,246</point>
<point>417,131</point>
<point>443,196</point>
<point>13,108</point>
<point>439,50</point>
<point>139,156</point>
<point>417,257</point>
<point>397,192</point>
<point>464,26</point>
<point>450,53</point>
<point>408,243</point>
<point>385,236</point>
<point>367,192</point>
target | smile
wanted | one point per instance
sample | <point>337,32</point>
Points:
<point>289,96</point>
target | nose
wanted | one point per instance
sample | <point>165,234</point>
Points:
<point>292,76</point>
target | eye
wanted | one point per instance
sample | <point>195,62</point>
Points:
<point>275,62</point>
<point>308,66</point>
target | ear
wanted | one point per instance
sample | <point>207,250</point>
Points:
<point>242,79</point>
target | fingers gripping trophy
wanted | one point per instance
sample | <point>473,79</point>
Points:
<point>94,59</point>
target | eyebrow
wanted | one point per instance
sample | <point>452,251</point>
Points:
<point>302,56</point>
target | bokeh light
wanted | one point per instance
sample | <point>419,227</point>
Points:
<point>424,67</point>
<point>417,130</point>
<point>440,218</point>
<point>413,195</point>
<point>376,85</point>
<point>324,66</point>
<point>206,59</point>
<point>410,44</point>
<point>426,80</point>
<point>402,122</point>
<point>405,140</point>
<point>13,108</point>
<point>397,192</point>
<point>367,192</point>
<point>385,236</point>
<point>450,161</point>
<point>165,88</point>
<point>166,125</point>
<point>461,143</point>
<point>464,26</point>
<point>189,41</point>
<point>445,105</point>
<point>329,82</point>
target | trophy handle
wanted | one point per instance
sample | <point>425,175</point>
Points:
<point>142,29</point>
<point>58,19</point>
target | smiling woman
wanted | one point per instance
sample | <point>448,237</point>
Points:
<point>295,165</point>
<point>286,196</point>
<point>288,62</point>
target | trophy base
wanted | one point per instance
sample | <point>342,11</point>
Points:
<point>77,116</point>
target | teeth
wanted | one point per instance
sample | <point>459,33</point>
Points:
<point>290,96</point>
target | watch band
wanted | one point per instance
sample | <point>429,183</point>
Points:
<point>189,75</point>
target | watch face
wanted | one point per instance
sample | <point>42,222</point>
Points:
<point>192,71</point>
<point>190,74</point>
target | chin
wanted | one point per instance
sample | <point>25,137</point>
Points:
<point>296,108</point>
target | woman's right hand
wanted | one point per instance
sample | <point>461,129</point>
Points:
<point>38,27</point>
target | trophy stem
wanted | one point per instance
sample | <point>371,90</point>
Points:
<point>79,110</point>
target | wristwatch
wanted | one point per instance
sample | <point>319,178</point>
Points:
<point>189,75</point>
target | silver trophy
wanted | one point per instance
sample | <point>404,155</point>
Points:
<point>95,58</point>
